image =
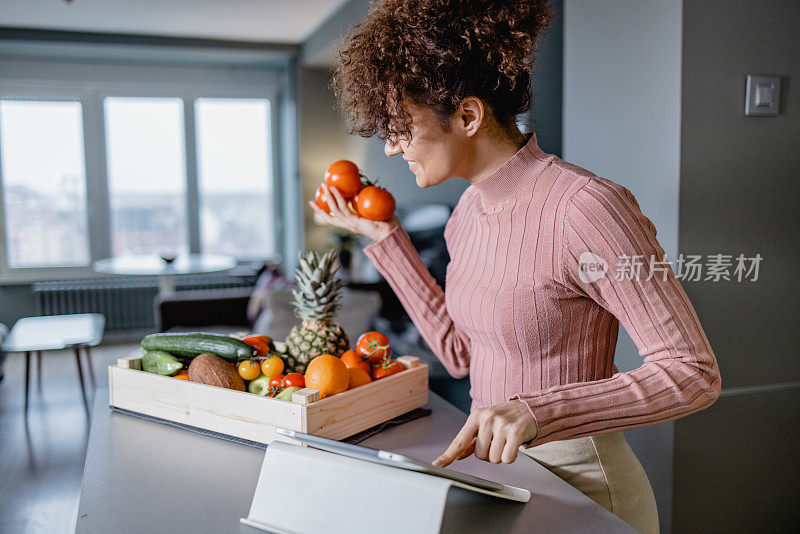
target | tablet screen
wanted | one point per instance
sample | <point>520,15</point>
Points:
<point>390,459</point>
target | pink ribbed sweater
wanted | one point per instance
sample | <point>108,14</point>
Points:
<point>519,320</point>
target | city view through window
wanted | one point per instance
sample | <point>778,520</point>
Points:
<point>44,184</point>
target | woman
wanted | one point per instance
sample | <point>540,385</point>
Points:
<point>533,301</point>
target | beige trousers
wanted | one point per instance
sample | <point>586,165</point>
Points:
<point>605,469</point>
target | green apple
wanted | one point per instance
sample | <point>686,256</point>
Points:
<point>259,386</point>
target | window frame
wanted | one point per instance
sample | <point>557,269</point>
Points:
<point>91,95</point>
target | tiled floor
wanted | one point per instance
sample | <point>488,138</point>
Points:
<point>41,455</point>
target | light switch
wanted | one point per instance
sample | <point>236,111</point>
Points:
<point>763,95</point>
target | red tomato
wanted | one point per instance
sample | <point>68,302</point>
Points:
<point>373,347</point>
<point>322,200</point>
<point>344,176</point>
<point>260,343</point>
<point>375,203</point>
<point>277,381</point>
<point>294,379</point>
<point>386,368</point>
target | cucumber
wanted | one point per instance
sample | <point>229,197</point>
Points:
<point>193,343</point>
<point>160,363</point>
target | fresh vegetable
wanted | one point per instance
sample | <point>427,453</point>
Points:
<point>373,347</point>
<point>272,366</point>
<point>286,394</point>
<point>183,374</point>
<point>344,176</point>
<point>160,363</point>
<point>322,200</point>
<point>260,343</point>
<point>276,381</point>
<point>386,368</point>
<point>375,203</point>
<point>259,386</point>
<point>194,343</point>
<point>351,359</point>
<point>316,301</point>
<point>214,371</point>
<point>249,369</point>
<point>294,380</point>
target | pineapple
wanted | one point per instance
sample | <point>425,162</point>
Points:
<point>316,300</point>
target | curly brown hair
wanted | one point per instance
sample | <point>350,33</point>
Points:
<point>436,53</point>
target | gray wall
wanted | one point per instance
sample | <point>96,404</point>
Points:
<point>622,67</point>
<point>736,464</point>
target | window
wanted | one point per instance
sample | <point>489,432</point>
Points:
<point>146,175</point>
<point>44,185</point>
<point>160,159</point>
<point>235,176</point>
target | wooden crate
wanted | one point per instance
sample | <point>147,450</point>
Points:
<point>253,417</point>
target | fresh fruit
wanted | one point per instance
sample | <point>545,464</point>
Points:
<point>373,347</point>
<point>328,375</point>
<point>193,343</point>
<point>183,374</point>
<point>316,301</point>
<point>375,203</point>
<point>272,366</point>
<point>358,377</point>
<point>259,386</point>
<point>260,343</point>
<point>351,359</point>
<point>160,363</point>
<point>294,380</point>
<point>214,371</point>
<point>249,369</point>
<point>344,176</point>
<point>286,394</point>
<point>386,368</point>
<point>276,381</point>
<point>322,200</point>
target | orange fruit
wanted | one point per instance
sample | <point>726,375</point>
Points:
<point>183,374</point>
<point>327,374</point>
<point>272,366</point>
<point>249,369</point>
<point>352,359</point>
<point>358,377</point>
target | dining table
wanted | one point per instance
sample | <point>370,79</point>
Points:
<point>166,268</point>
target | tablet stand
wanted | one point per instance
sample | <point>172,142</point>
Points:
<point>305,490</point>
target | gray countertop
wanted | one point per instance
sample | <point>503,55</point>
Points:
<point>142,476</point>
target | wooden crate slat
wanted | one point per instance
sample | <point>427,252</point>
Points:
<point>221,410</point>
<point>348,413</point>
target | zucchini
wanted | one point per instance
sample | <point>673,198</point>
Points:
<point>191,344</point>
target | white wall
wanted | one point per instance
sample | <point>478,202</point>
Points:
<point>622,87</point>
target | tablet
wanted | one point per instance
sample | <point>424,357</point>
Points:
<point>390,459</point>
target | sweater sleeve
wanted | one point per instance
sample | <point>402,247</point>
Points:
<point>398,261</point>
<point>679,374</point>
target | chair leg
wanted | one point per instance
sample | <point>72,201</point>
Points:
<point>90,366</point>
<point>39,369</point>
<point>27,377</point>
<point>77,351</point>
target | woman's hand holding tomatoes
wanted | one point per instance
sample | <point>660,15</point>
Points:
<point>341,216</point>
<point>345,201</point>
<point>493,434</point>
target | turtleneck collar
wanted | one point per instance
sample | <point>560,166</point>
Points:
<point>514,174</point>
